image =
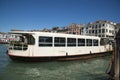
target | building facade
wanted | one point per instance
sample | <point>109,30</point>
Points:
<point>101,28</point>
<point>6,37</point>
<point>75,29</point>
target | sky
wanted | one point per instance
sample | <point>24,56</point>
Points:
<point>40,14</point>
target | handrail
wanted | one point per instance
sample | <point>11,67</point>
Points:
<point>18,46</point>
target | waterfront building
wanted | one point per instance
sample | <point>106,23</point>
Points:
<point>6,37</point>
<point>59,30</point>
<point>102,28</point>
<point>12,37</point>
<point>46,30</point>
<point>71,29</point>
<point>62,30</point>
<point>75,28</point>
<point>3,37</point>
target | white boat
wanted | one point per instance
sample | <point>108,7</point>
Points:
<point>46,46</point>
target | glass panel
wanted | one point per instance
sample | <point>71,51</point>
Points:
<point>45,41</point>
<point>88,42</point>
<point>81,42</point>
<point>59,41</point>
<point>30,39</point>
<point>71,42</point>
<point>95,42</point>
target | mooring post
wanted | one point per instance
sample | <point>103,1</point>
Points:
<point>117,57</point>
<point>113,69</point>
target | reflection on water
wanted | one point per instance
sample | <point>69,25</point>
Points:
<point>92,69</point>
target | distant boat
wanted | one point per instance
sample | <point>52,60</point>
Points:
<point>45,46</point>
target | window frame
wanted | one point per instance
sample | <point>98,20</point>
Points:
<point>46,43</point>
<point>89,42</point>
<point>95,42</point>
<point>60,43</point>
<point>81,42</point>
<point>71,42</point>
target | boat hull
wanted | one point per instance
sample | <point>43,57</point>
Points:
<point>57,58</point>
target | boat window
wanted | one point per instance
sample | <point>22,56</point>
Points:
<point>30,39</point>
<point>59,41</point>
<point>71,41</point>
<point>95,42</point>
<point>81,42</point>
<point>104,41</point>
<point>88,42</point>
<point>45,41</point>
<point>22,42</point>
<point>21,39</point>
<point>20,46</point>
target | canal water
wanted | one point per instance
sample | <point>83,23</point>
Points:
<point>91,69</point>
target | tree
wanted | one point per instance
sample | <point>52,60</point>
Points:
<point>55,28</point>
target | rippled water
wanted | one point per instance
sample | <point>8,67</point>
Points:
<point>92,69</point>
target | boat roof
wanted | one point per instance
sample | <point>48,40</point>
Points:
<point>52,34</point>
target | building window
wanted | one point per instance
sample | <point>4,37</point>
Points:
<point>95,42</point>
<point>99,30</point>
<point>99,35</point>
<point>71,41</point>
<point>93,27</point>
<point>110,31</point>
<point>88,42</point>
<point>89,31</point>
<point>103,25</point>
<point>81,42</point>
<point>107,36</point>
<point>74,33</point>
<point>95,31</point>
<point>103,30</point>
<point>99,25</point>
<point>45,41</point>
<point>103,36</point>
<point>96,26</point>
<point>106,30</point>
<point>59,41</point>
<point>92,31</point>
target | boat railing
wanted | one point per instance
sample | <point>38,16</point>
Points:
<point>18,46</point>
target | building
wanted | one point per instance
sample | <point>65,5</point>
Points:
<point>3,37</point>
<point>59,30</point>
<point>45,30</point>
<point>75,29</point>
<point>6,37</point>
<point>62,30</point>
<point>101,28</point>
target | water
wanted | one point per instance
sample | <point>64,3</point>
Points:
<point>92,69</point>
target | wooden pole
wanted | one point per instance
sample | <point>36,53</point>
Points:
<point>117,57</point>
